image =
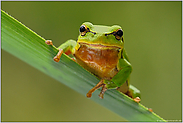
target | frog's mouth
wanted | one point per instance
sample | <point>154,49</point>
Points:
<point>100,46</point>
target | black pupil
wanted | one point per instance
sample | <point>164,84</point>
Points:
<point>82,28</point>
<point>119,33</point>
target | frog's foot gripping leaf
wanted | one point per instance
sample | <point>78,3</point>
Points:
<point>134,97</point>
<point>64,48</point>
<point>137,99</point>
<point>59,54</point>
<point>57,57</point>
<point>100,84</point>
<point>150,109</point>
<point>48,42</point>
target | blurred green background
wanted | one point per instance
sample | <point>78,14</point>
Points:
<point>153,40</point>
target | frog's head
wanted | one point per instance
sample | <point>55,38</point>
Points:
<point>107,36</point>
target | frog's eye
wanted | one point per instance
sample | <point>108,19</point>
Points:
<point>118,34</point>
<point>83,30</point>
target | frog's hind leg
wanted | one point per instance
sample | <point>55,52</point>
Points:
<point>100,84</point>
<point>130,91</point>
<point>125,89</point>
<point>134,91</point>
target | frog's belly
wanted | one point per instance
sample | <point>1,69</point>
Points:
<point>100,62</point>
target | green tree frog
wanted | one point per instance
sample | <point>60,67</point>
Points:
<point>100,50</point>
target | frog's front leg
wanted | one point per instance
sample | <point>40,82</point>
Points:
<point>100,84</point>
<point>68,48</point>
<point>125,69</point>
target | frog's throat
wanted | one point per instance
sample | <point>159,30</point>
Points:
<point>99,46</point>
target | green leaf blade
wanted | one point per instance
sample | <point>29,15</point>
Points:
<point>26,45</point>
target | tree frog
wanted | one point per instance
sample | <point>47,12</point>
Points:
<point>100,50</point>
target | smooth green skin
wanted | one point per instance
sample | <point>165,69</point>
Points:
<point>99,37</point>
<point>123,66</point>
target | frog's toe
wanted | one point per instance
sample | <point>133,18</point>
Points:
<point>101,96</point>
<point>104,89</point>
<point>73,59</point>
<point>150,109</point>
<point>137,99</point>
<point>88,95</point>
<point>48,42</point>
<point>56,59</point>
